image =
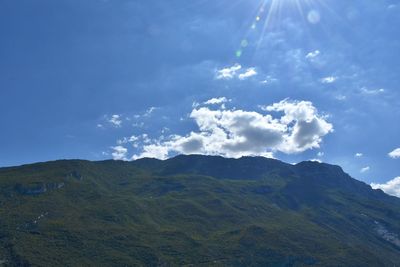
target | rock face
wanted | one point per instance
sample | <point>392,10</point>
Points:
<point>37,188</point>
<point>194,211</point>
<point>388,236</point>
<point>75,175</point>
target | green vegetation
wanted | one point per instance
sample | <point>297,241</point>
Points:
<point>193,211</point>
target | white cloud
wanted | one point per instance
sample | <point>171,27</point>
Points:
<point>249,73</point>
<point>138,124</point>
<point>268,80</point>
<point>228,73</point>
<point>133,138</point>
<point>215,101</point>
<point>234,72</point>
<point>320,154</point>
<point>126,140</point>
<point>145,114</point>
<point>313,54</point>
<point>236,133</point>
<point>115,120</point>
<point>330,79</point>
<point>119,153</point>
<point>395,154</point>
<point>365,169</point>
<point>149,111</point>
<point>358,155</point>
<point>367,91</point>
<point>341,97</point>
<point>153,151</point>
<point>145,138</point>
<point>308,126</point>
<point>392,187</point>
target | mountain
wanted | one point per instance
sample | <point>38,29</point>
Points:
<point>194,211</point>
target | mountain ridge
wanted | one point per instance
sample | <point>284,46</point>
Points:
<point>194,210</point>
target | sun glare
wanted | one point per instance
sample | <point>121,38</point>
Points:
<point>271,15</point>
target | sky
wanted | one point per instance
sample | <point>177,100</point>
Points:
<point>124,79</point>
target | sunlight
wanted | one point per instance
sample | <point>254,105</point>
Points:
<point>272,15</point>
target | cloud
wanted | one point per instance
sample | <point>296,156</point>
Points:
<point>313,54</point>
<point>126,140</point>
<point>268,80</point>
<point>329,79</point>
<point>367,91</point>
<point>308,126</point>
<point>119,153</point>
<point>395,154</point>
<point>115,120</point>
<point>392,187</point>
<point>358,155</point>
<point>133,138</point>
<point>153,151</point>
<point>150,111</point>
<point>234,72</point>
<point>249,73</point>
<point>145,114</point>
<point>228,73</point>
<point>236,133</point>
<point>341,97</point>
<point>215,101</point>
<point>365,169</point>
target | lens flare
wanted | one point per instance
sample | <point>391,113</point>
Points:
<point>313,17</point>
<point>272,15</point>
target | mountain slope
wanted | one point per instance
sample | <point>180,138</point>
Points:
<point>194,211</point>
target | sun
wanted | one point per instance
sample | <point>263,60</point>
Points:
<point>272,11</point>
<point>271,14</point>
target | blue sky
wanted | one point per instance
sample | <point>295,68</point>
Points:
<point>292,79</point>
